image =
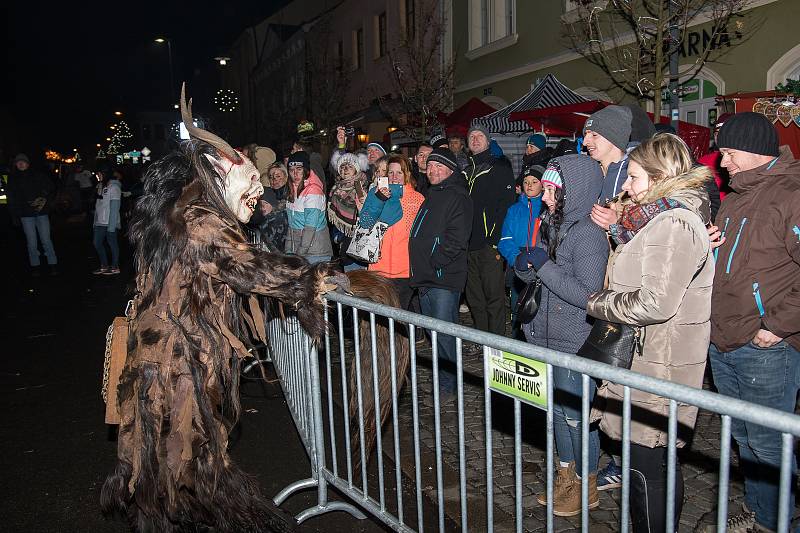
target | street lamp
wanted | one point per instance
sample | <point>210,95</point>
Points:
<point>118,113</point>
<point>222,60</point>
<point>162,40</point>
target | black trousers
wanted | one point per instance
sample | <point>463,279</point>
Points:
<point>649,489</point>
<point>486,290</point>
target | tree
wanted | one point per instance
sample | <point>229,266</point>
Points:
<point>121,140</point>
<point>632,41</point>
<point>421,78</point>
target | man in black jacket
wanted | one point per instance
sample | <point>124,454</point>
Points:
<point>438,250</point>
<point>490,184</point>
<point>29,199</point>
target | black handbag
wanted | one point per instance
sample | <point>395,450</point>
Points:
<point>612,343</point>
<point>528,302</point>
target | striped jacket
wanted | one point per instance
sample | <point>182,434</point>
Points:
<point>308,228</point>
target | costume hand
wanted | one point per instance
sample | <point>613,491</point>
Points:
<point>266,207</point>
<point>715,236</point>
<point>765,339</point>
<point>336,281</point>
<point>604,216</point>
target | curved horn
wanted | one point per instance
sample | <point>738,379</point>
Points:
<point>198,133</point>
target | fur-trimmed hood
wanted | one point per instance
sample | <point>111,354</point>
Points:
<point>689,189</point>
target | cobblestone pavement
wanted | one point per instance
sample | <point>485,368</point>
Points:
<point>700,460</point>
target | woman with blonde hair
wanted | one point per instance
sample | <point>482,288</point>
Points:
<point>396,205</point>
<point>659,281</point>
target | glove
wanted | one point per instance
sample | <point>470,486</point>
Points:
<point>537,257</point>
<point>521,262</point>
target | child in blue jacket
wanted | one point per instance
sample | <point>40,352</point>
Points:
<point>521,227</point>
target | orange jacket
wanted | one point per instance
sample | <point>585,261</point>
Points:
<point>394,261</point>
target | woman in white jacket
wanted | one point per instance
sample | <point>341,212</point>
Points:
<point>107,221</point>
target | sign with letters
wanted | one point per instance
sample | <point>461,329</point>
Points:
<point>519,377</point>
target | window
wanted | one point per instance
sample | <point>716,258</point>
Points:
<point>410,18</point>
<point>381,34</point>
<point>490,21</point>
<point>358,52</point>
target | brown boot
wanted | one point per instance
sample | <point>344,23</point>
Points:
<point>570,502</point>
<point>565,476</point>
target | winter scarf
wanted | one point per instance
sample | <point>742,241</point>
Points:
<point>636,216</point>
<point>342,208</point>
<point>377,210</point>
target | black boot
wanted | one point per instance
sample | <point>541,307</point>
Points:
<point>648,503</point>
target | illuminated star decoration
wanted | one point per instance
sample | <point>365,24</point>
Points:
<point>226,100</point>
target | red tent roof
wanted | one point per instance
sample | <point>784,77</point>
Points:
<point>461,118</point>
<point>562,120</point>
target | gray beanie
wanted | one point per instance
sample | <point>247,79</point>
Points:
<point>22,157</point>
<point>613,123</point>
<point>480,128</point>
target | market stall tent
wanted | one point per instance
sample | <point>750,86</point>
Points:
<point>459,120</point>
<point>782,109</point>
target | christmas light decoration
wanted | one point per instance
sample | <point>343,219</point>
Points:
<point>226,100</point>
<point>122,136</point>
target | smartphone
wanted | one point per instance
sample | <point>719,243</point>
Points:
<point>383,182</point>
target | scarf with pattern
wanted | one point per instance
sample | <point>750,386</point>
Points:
<point>636,216</point>
<point>342,207</point>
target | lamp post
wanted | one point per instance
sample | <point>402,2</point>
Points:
<point>162,40</point>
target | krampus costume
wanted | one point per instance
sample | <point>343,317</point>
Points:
<point>179,389</point>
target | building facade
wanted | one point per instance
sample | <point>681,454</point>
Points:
<point>505,46</point>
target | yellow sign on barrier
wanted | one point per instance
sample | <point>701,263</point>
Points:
<point>518,377</point>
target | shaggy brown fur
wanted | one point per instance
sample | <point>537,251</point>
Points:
<point>375,287</point>
<point>179,391</point>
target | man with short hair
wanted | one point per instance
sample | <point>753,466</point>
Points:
<point>419,168</point>
<point>374,152</point>
<point>605,136</point>
<point>490,184</point>
<point>755,305</point>
<point>456,145</point>
<point>438,251</point>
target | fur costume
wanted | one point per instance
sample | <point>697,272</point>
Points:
<point>178,396</point>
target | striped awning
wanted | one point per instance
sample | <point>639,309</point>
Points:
<point>548,93</point>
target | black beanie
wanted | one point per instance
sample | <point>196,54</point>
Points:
<point>749,132</point>
<point>299,159</point>
<point>445,157</point>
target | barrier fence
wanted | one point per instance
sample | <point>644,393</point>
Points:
<point>328,407</point>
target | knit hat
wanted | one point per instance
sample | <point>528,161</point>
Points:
<point>749,132</point>
<point>349,159</point>
<point>538,140</point>
<point>299,159</point>
<point>443,156</point>
<point>534,170</point>
<point>553,176</point>
<point>722,119</point>
<point>379,146</point>
<point>22,157</point>
<point>482,129</point>
<point>613,123</point>
<point>438,140</point>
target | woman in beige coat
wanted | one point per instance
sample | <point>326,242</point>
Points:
<point>660,279</point>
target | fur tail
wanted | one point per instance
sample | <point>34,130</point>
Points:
<point>372,286</point>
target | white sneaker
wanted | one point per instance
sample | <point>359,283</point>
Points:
<point>463,308</point>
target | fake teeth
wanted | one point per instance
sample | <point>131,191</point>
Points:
<point>251,203</point>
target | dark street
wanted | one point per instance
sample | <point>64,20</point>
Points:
<point>56,450</point>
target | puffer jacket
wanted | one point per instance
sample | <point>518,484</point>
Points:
<point>580,265</point>
<point>520,227</point>
<point>308,229</point>
<point>661,280</point>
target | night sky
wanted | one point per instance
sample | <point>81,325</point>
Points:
<point>70,65</point>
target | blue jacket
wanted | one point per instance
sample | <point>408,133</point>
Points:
<point>519,227</point>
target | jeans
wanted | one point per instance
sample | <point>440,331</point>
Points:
<point>314,259</point>
<point>567,424</point>
<point>39,224</point>
<point>443,304</point>
<point>769,377</point>
<point>101,234</point>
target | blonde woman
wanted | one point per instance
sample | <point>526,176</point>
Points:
<point>660,280</point>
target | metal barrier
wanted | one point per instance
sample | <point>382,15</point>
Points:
<point>298,366</point>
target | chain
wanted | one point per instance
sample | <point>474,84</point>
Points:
<point>107,359</point>
<point>107,363</point>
